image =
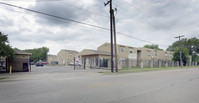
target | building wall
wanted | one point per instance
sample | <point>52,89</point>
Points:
<point>65,57</point>
<point>128,52</point>
<point>61,56</point>
<point>123,52</point>
<point>18,63</point>
<point>51,58</point>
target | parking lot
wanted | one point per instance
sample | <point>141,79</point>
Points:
<point>62,84</point>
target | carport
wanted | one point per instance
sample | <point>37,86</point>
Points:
<point>95,59</point>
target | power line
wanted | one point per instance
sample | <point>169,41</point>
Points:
<point>147,15</point>
<point>126,12</point>
<point>30,1</point>
<point>12,10</point>
<point>83,9</point>
<point>54,16</point>
<point>60,1</point>
<point>140,39</point>
<point>66,19</point>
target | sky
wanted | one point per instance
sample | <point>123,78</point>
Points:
<point>154,21</point>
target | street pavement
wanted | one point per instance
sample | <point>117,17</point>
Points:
<point>61,84</point>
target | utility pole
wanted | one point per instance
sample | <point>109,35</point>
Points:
<point>180,49</point>
<point>115,43</point>
<point>74,63</point>
<point>111,31</point>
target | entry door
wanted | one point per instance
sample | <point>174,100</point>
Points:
<point>138,57</point>
<point>25,66</point>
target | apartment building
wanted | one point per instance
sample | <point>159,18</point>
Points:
<point>128,52</point>
<point>52,59</point>
<point>132,54</point>
<point>65,57</point>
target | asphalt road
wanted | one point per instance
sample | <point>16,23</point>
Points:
<point>64,85</point>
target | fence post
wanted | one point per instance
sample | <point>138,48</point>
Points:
<point>141,64</point>
<point>98,63</point>
<point>172,63</point>
<point>177,63</point>
<point>109,63</point>
<point>119,64</point>
<point>10,70</point>
<point>190,63</point>
<point>74,63</point>
<point>87,63</point>
<point>29,68</point>
<point>187,64</point>
<point>159,63</point>
<point>84,62</point>
<point>129,63</point>
<point>166,63</point>
<point>151,63</point>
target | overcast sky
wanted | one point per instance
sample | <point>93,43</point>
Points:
<point>155,21</point>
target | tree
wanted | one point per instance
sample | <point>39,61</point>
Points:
<point>191,44</point>
<point>184,53</point>
<point>152,47</point>
<point>38,54</point>
<point>5,48</point>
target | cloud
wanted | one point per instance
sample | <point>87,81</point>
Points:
<point>60,9</point>
<point>157,21</point>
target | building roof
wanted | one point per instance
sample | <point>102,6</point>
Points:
<point>100,52</point>
<point>139,48</point>
<point>69,50</point>
<point>49,55</point>
<point>106,43</point>
<point>21,52</point>
<point>94,52</point>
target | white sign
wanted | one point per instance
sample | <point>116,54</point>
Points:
<point>132,56</point>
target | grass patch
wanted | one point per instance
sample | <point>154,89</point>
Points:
<point>1,78</point>
<point>145,69</point>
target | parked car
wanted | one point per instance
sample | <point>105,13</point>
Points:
<point>39,64</point>
<point>44,63</point>
<point>32,63</point>
<point>76,63</point>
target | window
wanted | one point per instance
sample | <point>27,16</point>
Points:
<point>156,54</point>
<point>123,60</point>
<point>149,53</point>
<point>122,49</point>
<point>71,55</point>
<point>130,50</point>
<point>165,54</point>
<point>171,55</point>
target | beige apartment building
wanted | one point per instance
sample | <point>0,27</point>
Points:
<point>65,57</point>
<point>52,59</point>
<point>128,52</point>
<point>132,54</point>
<point>136,55</point>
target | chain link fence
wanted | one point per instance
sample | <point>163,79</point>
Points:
<point>153,63</point>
